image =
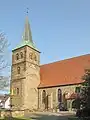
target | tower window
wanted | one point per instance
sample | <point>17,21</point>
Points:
<point>35,58</point>
<point>17,91</point>
<point>18,70</point>
<point>17,56</point>
<point>30,55</point>
<point>21,55</point>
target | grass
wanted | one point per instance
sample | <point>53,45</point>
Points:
<point>15,119</point>
<point>73,118</point>
<point>76,118</point>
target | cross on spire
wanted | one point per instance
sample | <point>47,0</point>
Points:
<point>27,10</point>
<point>27,35</point>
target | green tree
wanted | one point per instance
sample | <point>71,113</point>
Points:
<point>84,97</point>
<point>85,91</point>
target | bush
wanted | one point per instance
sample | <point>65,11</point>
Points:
<point>83,112</point>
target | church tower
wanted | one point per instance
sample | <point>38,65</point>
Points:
<point>25,72</point>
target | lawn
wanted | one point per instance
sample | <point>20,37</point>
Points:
<point>15,119</point>
<point>76,118</point>
<point>73,119</point>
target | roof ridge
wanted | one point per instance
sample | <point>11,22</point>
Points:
<point>65,59</point>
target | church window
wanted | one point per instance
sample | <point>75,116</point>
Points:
<point>21,55</point>
<point>18,70</point>
<point>17,91</point>
<point>35,58</point>
<point>17,56</point>
<point>43,96</point>
<point>59,95</point>
<point>30,55</point>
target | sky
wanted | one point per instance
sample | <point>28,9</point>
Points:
<point>60,28</point>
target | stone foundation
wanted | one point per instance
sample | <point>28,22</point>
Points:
<point>12,113</point>
<point>19,113</point>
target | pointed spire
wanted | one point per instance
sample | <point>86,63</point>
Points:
<point>27,36</point>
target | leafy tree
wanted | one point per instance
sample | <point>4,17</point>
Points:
<point>84,111</point>
<point>85,91</point>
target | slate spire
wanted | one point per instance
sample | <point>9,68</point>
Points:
<point>27,35</point>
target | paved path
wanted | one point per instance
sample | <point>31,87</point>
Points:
<point>49,116</point>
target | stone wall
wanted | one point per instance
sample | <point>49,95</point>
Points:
<point>27,80</point>
<point>11,113</point>
<point>32,81</point>
<point>17,80</point>
<point>17,113</point>
<point>52,93</point>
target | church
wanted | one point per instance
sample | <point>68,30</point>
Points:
<point>53,86</point>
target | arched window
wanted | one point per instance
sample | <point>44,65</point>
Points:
<point>43,96</point>
<point>59,95</point>
<point>21,54</point>
<point>30,55</point>
<point>17,56</point>
<point>17,91</point>
<point>18,70</point>
<point>35,58</point>
<point>74,104</point>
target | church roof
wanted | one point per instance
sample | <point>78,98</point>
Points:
<point>27,37</point>
<point>64,72</point>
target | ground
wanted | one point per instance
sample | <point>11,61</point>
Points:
<point>46,116</point>
<point>50,116</point>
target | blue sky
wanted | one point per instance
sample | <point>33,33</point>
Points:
<point>60,28</point>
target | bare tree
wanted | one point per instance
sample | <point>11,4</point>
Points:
<point>4,81</point>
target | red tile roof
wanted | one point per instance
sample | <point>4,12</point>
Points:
<point>64,72</point>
